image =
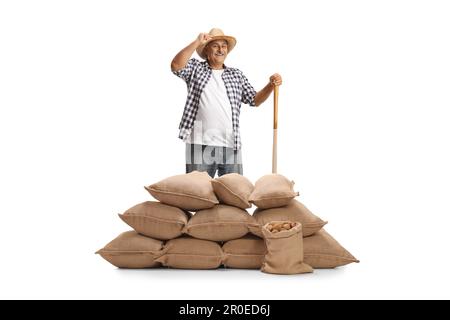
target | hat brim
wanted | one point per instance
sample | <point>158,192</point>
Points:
<point>230,40</point>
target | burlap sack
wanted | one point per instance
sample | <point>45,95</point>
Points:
<point>192,191</point>
<point>233,189</point>
<point>221,223</point>
<point>322,251</point>
<point>189,253</point>
<point>272,191</point>
<point>294,211</point>
<point>131,250</point>
<point>245,253</point>
<point>156,220</point>
<point>284,250</point>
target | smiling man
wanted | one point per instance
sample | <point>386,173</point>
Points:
<point>210,122</point>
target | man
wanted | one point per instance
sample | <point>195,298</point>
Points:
<point>210,122</point>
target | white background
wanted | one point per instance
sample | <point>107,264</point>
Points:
<point>89,114</point>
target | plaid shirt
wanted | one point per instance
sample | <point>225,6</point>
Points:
<point>196,74</point>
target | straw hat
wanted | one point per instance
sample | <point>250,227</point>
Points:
<point>216,34</point>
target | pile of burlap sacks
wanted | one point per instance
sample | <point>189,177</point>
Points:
<point>202,223</point>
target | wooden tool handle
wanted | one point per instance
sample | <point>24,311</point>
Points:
<point>275,128</point>
<point>275,107</point>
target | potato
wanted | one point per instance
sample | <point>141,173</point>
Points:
<point>276,227</point>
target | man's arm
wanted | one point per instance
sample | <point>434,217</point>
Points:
<point>261,96</point>
<point>182,57</point>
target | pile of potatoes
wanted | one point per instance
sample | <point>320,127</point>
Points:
<point>275,227</point>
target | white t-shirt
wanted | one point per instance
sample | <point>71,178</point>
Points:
<point>213,124</point>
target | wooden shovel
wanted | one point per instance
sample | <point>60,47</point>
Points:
<point>275,127</point>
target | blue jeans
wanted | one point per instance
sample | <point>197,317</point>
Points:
<point>211,159</point>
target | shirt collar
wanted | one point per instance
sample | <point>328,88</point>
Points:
<point>208,66</point>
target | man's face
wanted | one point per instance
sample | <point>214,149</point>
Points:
<point>216,51</point>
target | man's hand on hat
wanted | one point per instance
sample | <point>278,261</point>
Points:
<point>276,80</point>
<point>203,38</point>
